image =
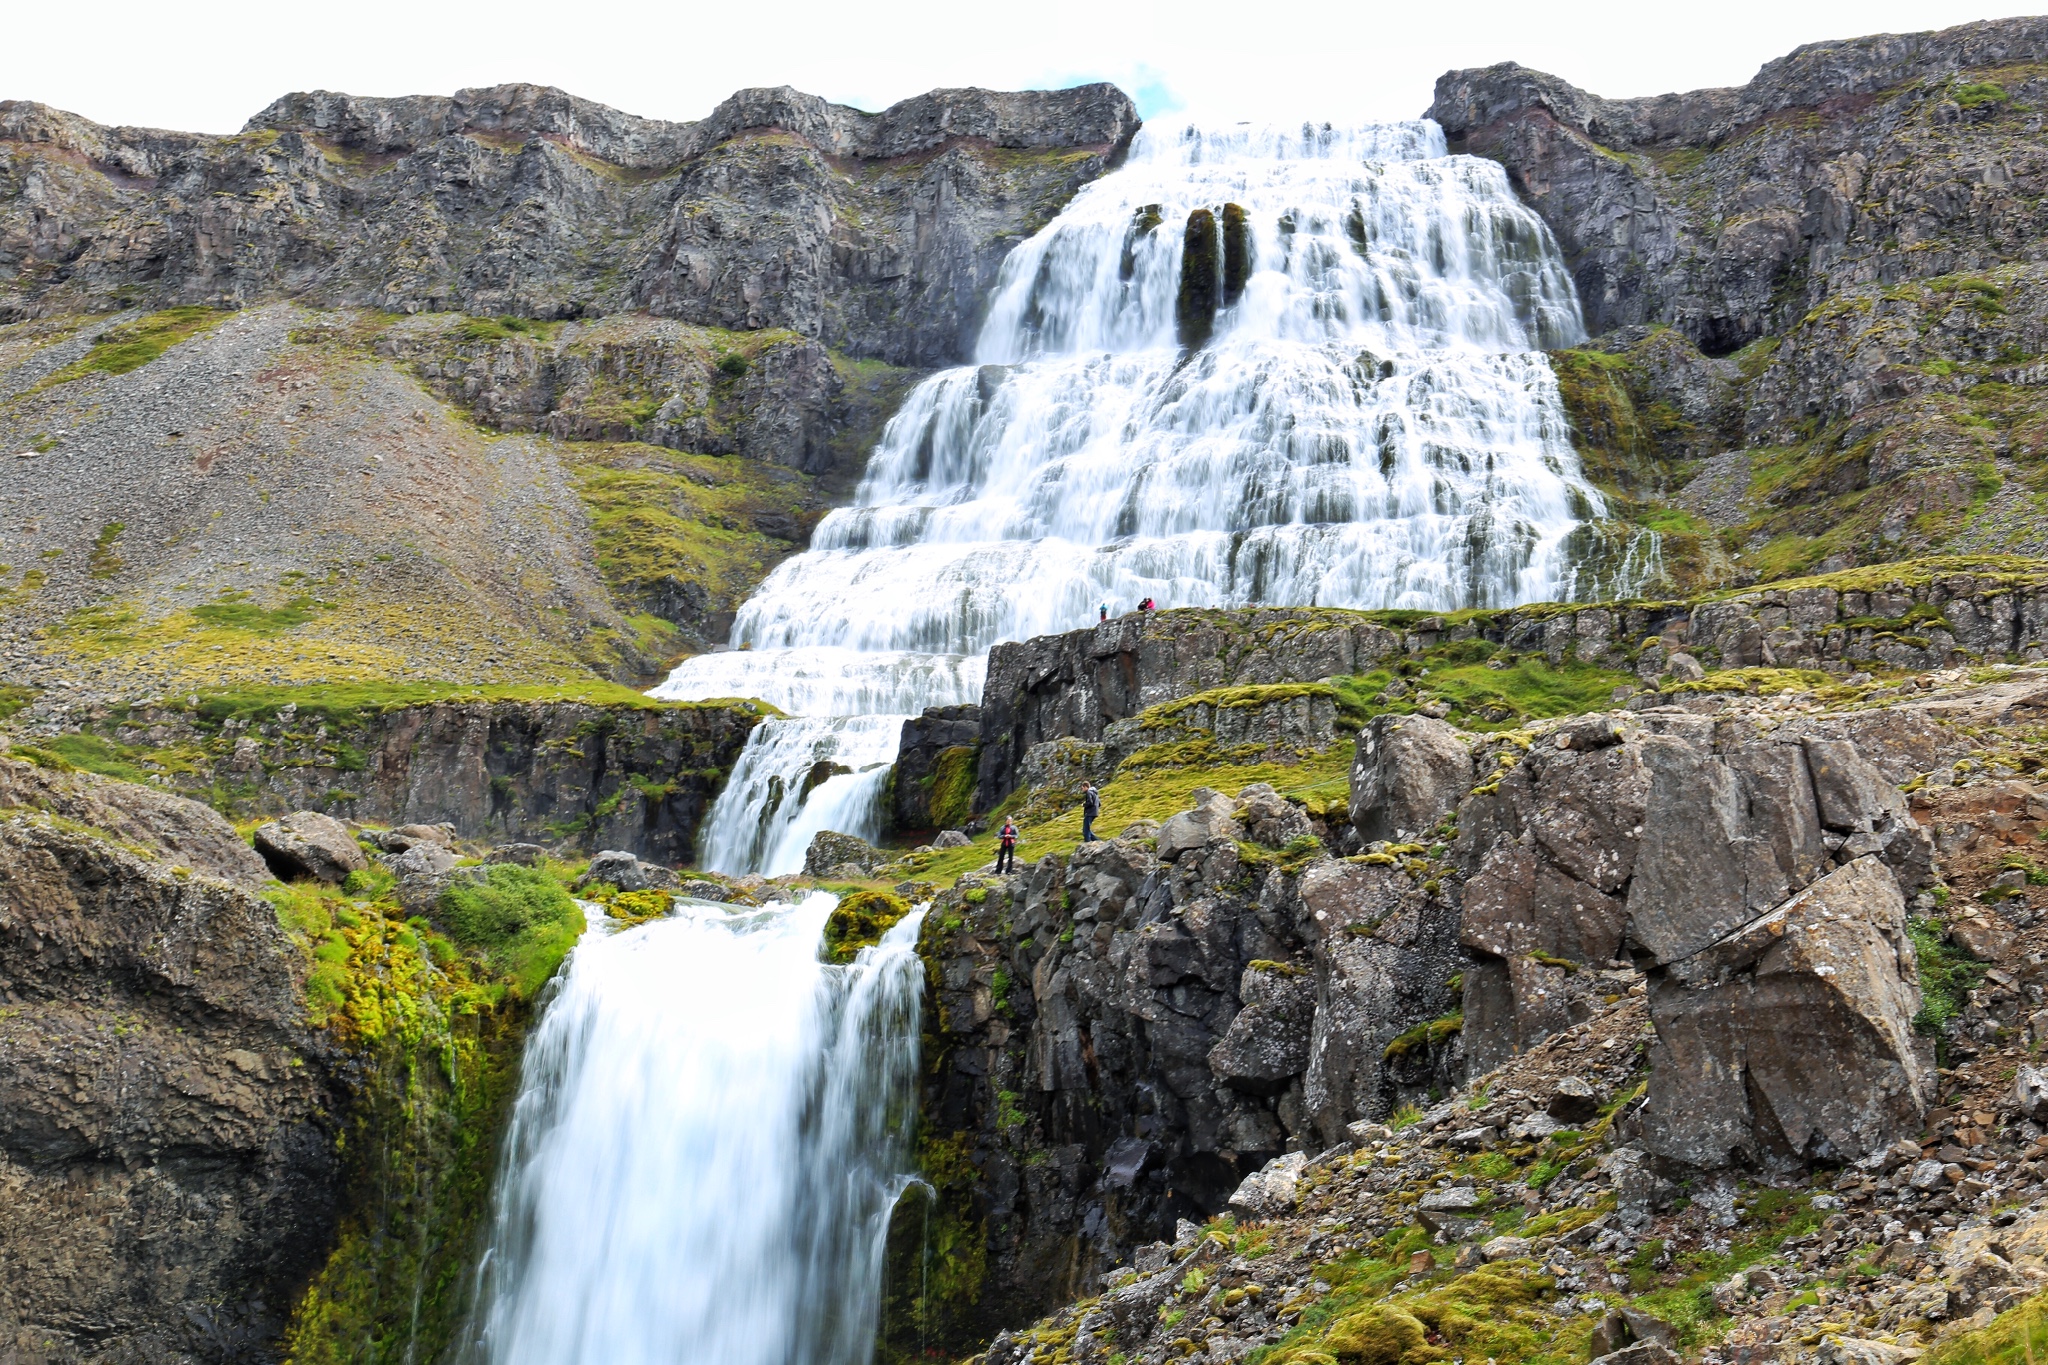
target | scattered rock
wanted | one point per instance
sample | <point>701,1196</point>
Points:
<point>423,858</point>
<point>308,844</point>
<point>1574,1102</point>
<point>1270,1191</point>
<point>524,855</point>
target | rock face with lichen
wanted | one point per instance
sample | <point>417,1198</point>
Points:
<point>167,1120</point>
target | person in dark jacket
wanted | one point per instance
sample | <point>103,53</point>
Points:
<point>1091,806</point>
<point>1006,847</point>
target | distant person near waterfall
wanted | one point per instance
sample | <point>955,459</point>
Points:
<point>1006,847</point>
<point>1146,605</point>
<point>1091,806</point>
<point>1102,612</point>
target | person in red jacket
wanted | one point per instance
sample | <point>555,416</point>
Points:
<point>1006,847</point>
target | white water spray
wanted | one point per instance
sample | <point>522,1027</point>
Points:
<point>1371,424</point>
<point>710,1134</point>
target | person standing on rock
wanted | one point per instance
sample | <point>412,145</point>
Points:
<point>1102,612</point>
<point>1006,847</point>
<point>1091,805</point>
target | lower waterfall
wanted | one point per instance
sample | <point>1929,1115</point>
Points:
<point>711,1131</point>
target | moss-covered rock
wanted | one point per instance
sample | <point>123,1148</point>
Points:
<point>1194,312</point>
<point>859,921</point>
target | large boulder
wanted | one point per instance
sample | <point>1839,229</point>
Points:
<point>1733,1084</point>
<point>308,844</point>
<point>1267,1044</point>
<point>831,851</point>
<point>1213,818</point>
<point>1758,876</point>
<point>1409,773</point>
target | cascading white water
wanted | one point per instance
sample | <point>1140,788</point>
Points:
<point>1370,424</point>
<point>710,1134</point>
<point>789,799</point>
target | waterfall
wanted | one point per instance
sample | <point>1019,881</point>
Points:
<point>1295,365</point>
<point>795,778</point>
<point>710,1134</point>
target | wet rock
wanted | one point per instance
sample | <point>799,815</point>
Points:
<point>308,844</point>
<point>1409,772</point>
<point>628,873</point>
<point>830,849</point>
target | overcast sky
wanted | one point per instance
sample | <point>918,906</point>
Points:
<point>208,66</point>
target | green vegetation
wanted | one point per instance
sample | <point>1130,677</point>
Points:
<point>1947,976</point>
<point>132,345</point>
<point>103,562</point>
<point>1429,1034</point>
<point>951,786</point>
<point>433,1036</point>
<point>503,329</point>
<point>13,697</point>
<point>859,921</point>
<point>518,920</point>
<point>1974,94</point>
<point>233,611</point>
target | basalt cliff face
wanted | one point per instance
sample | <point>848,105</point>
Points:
<point>1845,253</point>
<point>875,233</point>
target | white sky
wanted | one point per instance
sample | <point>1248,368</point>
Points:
<point>208,66</point>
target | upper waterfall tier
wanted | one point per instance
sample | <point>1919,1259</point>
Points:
<point>1252,365</point>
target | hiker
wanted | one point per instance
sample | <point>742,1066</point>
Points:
<point>1006,847</point>
<point>1102,612</point>
<point>1145,605</point>
<point>1091,804</point>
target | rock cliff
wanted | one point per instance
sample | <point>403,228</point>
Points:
<point>876,233</point>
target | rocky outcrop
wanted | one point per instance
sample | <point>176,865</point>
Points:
<point>584,775</point>
<point>933,786</point>
<point>166,1125</point>
<point>1076,685</point>
<point>1122,1035</point>
<point>154,825</point>
<point>875,233</point>
<point>1859,222</point>
<point>1410,772</point>
<point>778,397</point>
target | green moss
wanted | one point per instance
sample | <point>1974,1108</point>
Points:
<point>132,345</point>
<point>519,920</point>
<point>15,696</point>
<point>503,329</point>
<point>1975,94</point>
<point>433,1047</point>
<point>233,611</point>
<point>1200,273</point>
<point>103,562</point>
<point>1428,1034</point>
<point>859,921</point>
<point>952,785</point>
